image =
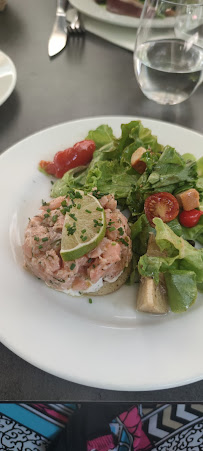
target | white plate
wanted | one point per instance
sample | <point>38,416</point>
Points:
<point>107,343</point>
<point>7,77</point>
<point>99,12</point>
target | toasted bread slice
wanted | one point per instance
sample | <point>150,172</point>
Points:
<point>110,287</point>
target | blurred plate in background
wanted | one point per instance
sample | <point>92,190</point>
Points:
<point>7,77</point>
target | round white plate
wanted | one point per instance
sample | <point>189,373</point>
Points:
<point>99,12</point>
<point>7,77</point>
<point>107,343</point>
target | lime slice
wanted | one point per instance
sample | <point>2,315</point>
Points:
<point>84,226</point>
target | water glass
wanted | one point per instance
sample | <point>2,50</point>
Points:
<point>168,55</point>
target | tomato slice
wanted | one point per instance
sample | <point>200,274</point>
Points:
<point>79,155</point>
<point>161,205</point>
<point>190,218</point>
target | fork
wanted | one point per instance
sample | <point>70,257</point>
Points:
<point>76,26</point>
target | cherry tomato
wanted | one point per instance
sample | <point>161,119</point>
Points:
<point>190,218</point>
<point>78,155</point>
<point>161,205</point>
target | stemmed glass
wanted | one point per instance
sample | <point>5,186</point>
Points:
<point>168,56</point>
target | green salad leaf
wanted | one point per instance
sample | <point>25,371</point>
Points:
<point>181,288</point>
<point>182,266</point>
<point>110,169</point>
<point>140,234</point>
<point>101,136</point>
<point>200,167</point>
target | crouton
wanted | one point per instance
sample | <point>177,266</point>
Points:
<point>136,162</point>
<point>188,200</point>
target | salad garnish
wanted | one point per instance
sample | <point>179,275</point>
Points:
<point>163,192</point>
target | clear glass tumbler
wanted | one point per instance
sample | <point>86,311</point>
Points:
<point>168,56</point>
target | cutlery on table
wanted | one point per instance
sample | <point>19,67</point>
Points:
<point>75,24</point>
<point>59,35</point>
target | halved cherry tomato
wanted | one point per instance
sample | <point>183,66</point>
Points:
<point>161,205</point>
<point>190,218</point>
<point>78,155</point>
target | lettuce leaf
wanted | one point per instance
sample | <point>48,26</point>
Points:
<point>74,178</point>
<point>182,267</point>
<point>181,288</point>
<point>101,136</point>
<point>180,255</point>
<point>200,167</point>
<point>140,234</point>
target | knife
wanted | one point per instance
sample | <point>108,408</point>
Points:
<point>59,35</point>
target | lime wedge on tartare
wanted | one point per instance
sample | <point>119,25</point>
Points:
<point>84,226</point>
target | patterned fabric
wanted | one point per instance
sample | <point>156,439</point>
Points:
<point>30,427</point>
<point>144,427</point>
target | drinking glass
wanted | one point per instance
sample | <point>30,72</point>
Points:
<point>168,56</point>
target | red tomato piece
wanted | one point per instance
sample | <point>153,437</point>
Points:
<point>161,205</point>
<point>79,155</point>
<point>190,218</point>
<point>48,166</point>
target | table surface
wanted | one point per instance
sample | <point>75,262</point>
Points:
<point>89,78</point>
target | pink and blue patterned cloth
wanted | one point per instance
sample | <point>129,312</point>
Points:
<point>160,427</point>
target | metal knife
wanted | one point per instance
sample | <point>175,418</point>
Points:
<point>59,35</point>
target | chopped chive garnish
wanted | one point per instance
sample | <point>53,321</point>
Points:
<point>45,238</point>
<point>73,216</point>
<point>36,238</point>
<point>97,194</point>
<point>54,218</point>
<point>72,266</point>
<point>40,246</point>
<point>89,260</point>
<point>44,203</point>
<point>48,210</point>
<point>78,195</point>
<point>83,238</point>
<point>59,280</point>
<point>78,206</point>
<point>121,231</point>
<point>66,209</point>
<point>124,241</point>
<point>71,229</point>
<point>113,244</point>
<point>111,229</point>
<point>46,215</point>
<point>90,301</point>
<point>52,182</point>
<point>83,230</point>
<point>63,203</point>
<point>88,211</point>
<point>99,209</point>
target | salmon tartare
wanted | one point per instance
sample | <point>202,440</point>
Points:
<point>105,263</point>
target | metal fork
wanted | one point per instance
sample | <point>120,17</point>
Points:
<point>76,26</point>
